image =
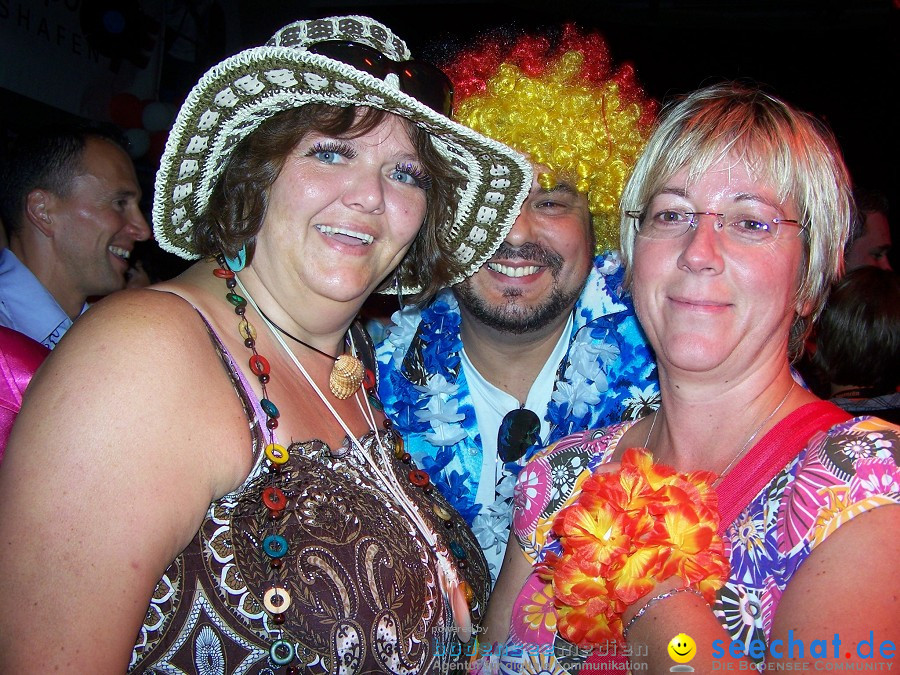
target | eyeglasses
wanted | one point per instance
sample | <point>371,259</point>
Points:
<point>519,431</point>
<point>423,81</point>
<point>739,227</point>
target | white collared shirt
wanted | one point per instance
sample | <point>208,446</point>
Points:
<point>491,405</point>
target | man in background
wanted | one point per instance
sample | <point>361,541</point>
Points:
<point>858,343</point>
<point>872,244</point>
<point>69,199</point>
<point>541,341</point>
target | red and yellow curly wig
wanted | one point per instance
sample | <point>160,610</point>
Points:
<point>565,106</point>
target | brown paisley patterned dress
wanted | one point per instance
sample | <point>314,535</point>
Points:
<point>363,581</point>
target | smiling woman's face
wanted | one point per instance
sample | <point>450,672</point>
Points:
<point>344,211</point>
<point>706,302</point>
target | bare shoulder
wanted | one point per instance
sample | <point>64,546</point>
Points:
<point>127,434</point>
<point>137,324</point>
<point>139,360</point>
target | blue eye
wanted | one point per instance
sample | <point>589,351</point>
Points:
<point>752,230</point>
<point>670,219</point>
<point>411,175</point>
<point>331,152</point>
<point>750,225</point>
<point>327,156</point>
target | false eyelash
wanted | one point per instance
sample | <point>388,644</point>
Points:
<point>336,147</point>
<point>422,178</point>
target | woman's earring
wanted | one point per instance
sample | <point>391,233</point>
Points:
<point>237,263</point>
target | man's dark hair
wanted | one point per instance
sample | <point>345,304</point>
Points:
<point>865,201</point>
<point>858,336</point>
<point>46,158</point>
<point>870,201</point>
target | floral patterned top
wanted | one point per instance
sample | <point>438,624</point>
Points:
<point>608,375</point>
<point>849,470</point>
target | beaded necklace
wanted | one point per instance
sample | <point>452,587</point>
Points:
<point>277,599</point>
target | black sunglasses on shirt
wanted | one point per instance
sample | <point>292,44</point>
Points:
<point>519,431</point>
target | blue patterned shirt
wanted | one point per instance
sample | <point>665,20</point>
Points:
<point>608,375</point>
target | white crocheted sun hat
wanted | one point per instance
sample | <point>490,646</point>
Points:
<point>234,97</point>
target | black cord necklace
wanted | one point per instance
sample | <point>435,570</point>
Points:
<point>346,374</point>
<point>296,339</point>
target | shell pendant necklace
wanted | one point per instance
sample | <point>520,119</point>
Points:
<point>347,372</point>
<point>451,581</point>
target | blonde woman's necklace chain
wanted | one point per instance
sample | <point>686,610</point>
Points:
<point>650,432</point>
<point>743,449</point>
<point>756,431</point>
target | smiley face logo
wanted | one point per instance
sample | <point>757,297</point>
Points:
<point>682,648</point>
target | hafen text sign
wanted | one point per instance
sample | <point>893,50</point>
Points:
<point>47,55</point>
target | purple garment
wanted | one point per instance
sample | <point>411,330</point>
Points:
<point>20,356</point>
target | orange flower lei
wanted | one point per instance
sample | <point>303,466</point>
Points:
<point>627,531</point>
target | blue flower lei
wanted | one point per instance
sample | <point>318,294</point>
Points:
<point>431,407</point>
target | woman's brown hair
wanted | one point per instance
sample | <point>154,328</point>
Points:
<point>239,201</point>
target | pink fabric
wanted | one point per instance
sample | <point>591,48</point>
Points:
<point>20,356</point>
<point>771,454</point>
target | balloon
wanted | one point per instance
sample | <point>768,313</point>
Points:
<point>125,110</point>
<point>158,116</point>
<point>138,142</point>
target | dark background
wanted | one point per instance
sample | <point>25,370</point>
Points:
<point>836,59</point>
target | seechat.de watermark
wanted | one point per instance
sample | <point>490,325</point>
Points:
<point>869,654</point>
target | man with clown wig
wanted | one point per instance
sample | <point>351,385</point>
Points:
<point>540,342</point>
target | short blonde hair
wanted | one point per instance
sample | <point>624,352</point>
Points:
<point>796,153</point>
